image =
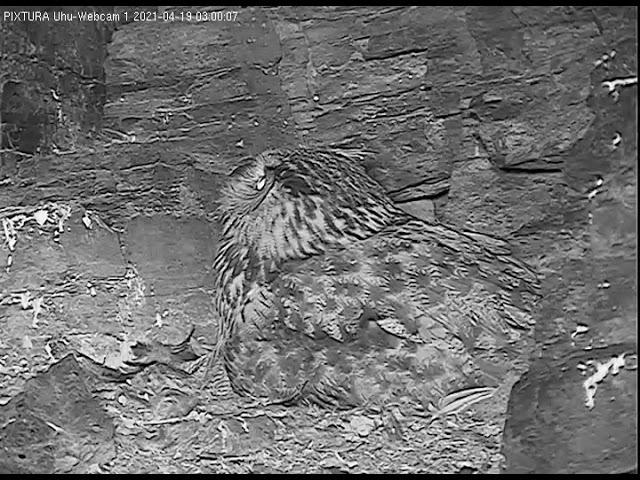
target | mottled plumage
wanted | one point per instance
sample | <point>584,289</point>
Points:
<point>415,311</point>
<point>328,292</point>
<point>290,204</point>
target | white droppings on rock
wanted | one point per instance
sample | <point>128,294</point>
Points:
<point>41,216</point>
<point>37,304</point>
<point>613,366</point>
<point>47,349</point>
<point>613,85</point>
<point>616,140</point>
<point>25,300</point>
<point>86,220</point>
<point>579,330</point>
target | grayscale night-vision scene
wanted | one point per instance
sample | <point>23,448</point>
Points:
<point>318,239</point>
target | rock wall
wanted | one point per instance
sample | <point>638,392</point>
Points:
<point>118,133</point>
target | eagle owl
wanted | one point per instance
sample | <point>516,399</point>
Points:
<point>290,204</point>
<point>328,293</point>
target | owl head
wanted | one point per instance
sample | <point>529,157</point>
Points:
<point>291,203</point>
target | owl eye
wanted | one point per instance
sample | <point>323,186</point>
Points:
<point>261,182</point>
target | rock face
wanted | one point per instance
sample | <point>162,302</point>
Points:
<point>116,135</point>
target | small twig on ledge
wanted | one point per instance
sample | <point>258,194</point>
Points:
<point>264,413</point>
<point>9,150</point>
<point>167,421</point>
<point>221,456</point>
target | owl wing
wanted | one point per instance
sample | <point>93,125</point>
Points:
<point>423,274</point>
<point>461,279</point>
<point>415,310</point>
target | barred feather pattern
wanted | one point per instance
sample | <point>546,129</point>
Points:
<point>328,293</point>
<point>413,311</point>
<point>289,204</point>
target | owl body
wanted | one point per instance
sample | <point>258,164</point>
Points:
<point>285,205</point>
<point>329,293</point>
<point>414,311</point>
